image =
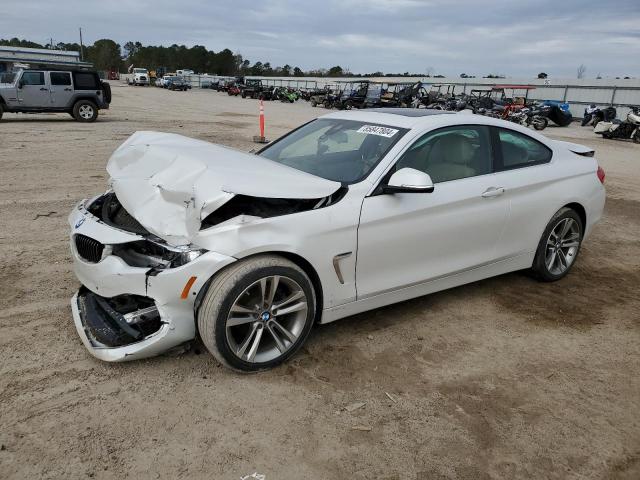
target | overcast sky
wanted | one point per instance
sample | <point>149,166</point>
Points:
<point>516,38</point>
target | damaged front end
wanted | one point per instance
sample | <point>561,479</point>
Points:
<point>133,247</point>
<point>138,292</point>
<point>117,321</point>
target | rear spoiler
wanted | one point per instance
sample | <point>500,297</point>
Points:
<point>577,149</point>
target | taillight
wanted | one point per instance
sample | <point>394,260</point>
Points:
<point>600,174</point>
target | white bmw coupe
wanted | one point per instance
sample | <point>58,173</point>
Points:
<point>347,213</point>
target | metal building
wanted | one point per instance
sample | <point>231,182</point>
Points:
<point>14,57</point>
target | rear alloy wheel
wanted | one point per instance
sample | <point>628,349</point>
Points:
<point>85,111</point>
<point>559,246</point>
<point>257,313</point>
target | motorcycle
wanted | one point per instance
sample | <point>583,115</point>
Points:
<point>558,112</point>
<point>593,115</point>
<point>629,128</point>
<point>529,117</point>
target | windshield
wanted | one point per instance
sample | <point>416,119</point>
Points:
<point>139,70</point>
<point>345,151</point>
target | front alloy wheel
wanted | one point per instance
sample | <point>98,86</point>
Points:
<point>257,312</point>
<point>266,319</point>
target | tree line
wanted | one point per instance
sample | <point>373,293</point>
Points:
<point>106,54</point>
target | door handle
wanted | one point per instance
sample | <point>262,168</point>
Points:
<point>67,89</point>
<point>44,89</point>
<point>493,192</point>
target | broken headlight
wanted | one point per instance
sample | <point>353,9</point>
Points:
<point>186,256</point>
<point>154,254</point>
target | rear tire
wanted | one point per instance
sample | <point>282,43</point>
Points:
<point>540,123</point>
<point>243,324</point>
<point>1,111</point>
<point>559,246</point>
<point>85,111</point>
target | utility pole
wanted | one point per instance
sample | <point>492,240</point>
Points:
<point>81,47</point>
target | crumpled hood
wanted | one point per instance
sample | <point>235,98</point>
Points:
<point>169,182</point>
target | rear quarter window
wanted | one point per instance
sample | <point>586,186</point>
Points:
<point>85,81</point>
<point>60,78</point>
<point>519,150</point>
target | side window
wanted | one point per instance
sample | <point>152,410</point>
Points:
<point>451,153</point>
<point>33,78</point>
<point>85,81</point>
<point>60,78</point>
<point>519,150</point>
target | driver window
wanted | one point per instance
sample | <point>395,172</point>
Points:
<point>451,153</point>
<point>33,78</point>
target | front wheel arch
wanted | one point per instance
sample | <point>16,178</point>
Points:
<point>224,291</point>
<point>300,261</point>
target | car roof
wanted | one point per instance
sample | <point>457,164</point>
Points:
<point>395,117</point>
<point>431,119</point>
<point>411,112</point>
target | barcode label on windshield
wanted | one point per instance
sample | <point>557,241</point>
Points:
<point>375,130</point>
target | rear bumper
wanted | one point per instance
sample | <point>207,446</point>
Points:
<point>594,209</point>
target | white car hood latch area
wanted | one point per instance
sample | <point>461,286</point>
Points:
<point>170,183</point>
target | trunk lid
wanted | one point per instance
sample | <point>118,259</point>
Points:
<point>577,148</point>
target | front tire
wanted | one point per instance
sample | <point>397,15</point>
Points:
<point>85,111</point>
<point>559,246</point>
<point>257,313</point>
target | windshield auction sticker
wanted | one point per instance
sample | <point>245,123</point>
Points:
<point>380,131</point>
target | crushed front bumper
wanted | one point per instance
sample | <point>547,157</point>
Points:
<point>104,335</point>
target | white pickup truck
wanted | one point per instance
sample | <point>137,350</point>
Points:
<point>140,77</point>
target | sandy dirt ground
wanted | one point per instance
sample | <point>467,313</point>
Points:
<point>503,379</point>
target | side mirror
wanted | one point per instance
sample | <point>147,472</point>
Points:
<point>21,83</point>
<point>409,180</point>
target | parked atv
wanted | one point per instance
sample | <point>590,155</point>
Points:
<point>353,96</point>
<point>285,94</point>
<point>252,88</point>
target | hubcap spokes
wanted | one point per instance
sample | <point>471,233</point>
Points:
<point>562,246</point>
<point>86,111</point>
<point>266,319</point>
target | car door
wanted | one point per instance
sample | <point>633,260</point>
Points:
<point>409,238</point>
<point>33,91</point>
<point>61,89</point>
<point>523,170</point>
